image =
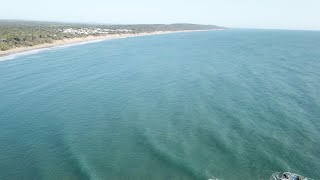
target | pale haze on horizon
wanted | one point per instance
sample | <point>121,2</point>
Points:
<point>269,14</point>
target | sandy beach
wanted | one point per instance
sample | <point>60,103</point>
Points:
<point>82,40</point>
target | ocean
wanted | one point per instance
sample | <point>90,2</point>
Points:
<point>232,104</point>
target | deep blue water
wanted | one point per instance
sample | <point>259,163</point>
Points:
<point>234,104</point>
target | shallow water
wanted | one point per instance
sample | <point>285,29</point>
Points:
<point>234,104</point>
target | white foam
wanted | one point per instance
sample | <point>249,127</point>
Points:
<point>15,55</point>
<point>35,51</point>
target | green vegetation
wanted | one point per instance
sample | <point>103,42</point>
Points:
<point>27,33</point>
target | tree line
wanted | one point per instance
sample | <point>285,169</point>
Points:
<point>27,33</point>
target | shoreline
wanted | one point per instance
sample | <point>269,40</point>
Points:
<point>87,39</point>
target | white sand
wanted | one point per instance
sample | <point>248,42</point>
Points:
<point>79,40</point>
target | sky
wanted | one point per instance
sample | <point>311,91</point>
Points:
<point>267,14</point>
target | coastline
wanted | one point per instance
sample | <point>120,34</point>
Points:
<point>87,39</point>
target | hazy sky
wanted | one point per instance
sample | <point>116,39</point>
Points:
<point>284,14</point>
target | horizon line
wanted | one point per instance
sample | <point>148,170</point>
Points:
<point>104,23</point>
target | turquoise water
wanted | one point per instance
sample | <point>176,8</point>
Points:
<point>234,104</point>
